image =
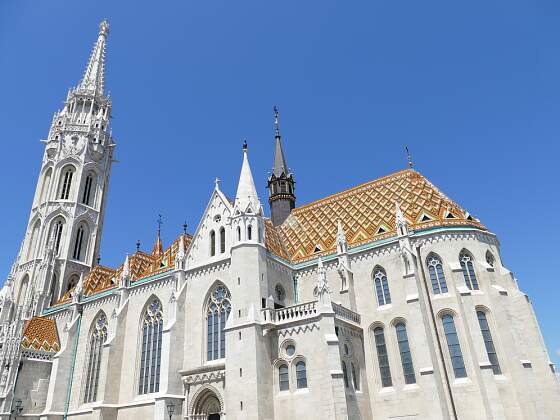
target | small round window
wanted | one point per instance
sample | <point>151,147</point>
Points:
<point>290,350</point>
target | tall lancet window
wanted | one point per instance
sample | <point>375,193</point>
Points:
<point>381,286</point>
<point>45,186</point>
<point>435,267</point>
<point>80,243</point>
<point>150,356</point>
<point>488,342</point>
<point>56,234</point>
<point>219,307</point>
<point>33,240</point>
<point>466,261</point>
<point>66,183</point>
<point>222,240</point>
<point>212,243</point>
<point>454,346</point>
<point>97,338</point>
<point>88,194</point>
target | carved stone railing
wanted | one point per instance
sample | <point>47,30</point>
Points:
<point>345,313</point>
<point>291,313</point>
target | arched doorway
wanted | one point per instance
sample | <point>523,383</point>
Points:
<point>207,406</point>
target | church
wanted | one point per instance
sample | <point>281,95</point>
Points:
<point>384,301</point>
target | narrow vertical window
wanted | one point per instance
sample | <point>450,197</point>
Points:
<point>468,270</point>
<point>53,289</point>
<point>66,183</point>
<point>212,243</point>
<point>33,240</point>
<point>57,235</point>
<point>345,374</point>
<point>406,357</point>
<point>222,240</point>
<point>238,234</point>
<point>249,233</point>
<point>301,375</point>
<point>355,377</point>
<point>488,342</point>
<point>96,341</point>
<point>435,268</point>
<point>88,185</point>
<point>453,346</point>
<point>79,244</point>
<point>150,359</point>
<point>381,286</point>
<point>45,186</point>
<point>382,357</point>
<point>283,378</point>
<point>217,313</point>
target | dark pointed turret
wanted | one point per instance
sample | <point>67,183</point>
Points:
<point>281,184</point>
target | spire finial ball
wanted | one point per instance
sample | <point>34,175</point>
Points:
<point>245,145</point>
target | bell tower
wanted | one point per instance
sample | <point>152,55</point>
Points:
<point>64,229</point>
<point>281,184</point>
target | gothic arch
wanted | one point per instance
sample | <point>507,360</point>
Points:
<point>206,401</point>
<point>22,290</point>
<point>46,183</point>
<point>33,239</point>
<point>81,233</point>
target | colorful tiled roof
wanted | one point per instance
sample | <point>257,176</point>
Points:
<point>367,213</point>
<point>141,265</point>
<point>40,333</point>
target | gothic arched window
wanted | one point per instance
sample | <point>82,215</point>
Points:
<point>488,342</point>
<point>150,356</point>
<point>72,282</point>
<point>466,261</point>
<point>453,346</point>
<point>97,338</point>
<point>222,240</point>
<point>406,357</point>
<point>57,228</point>
<point>490,259</point>
<point>435,267</point>
<point>217,313</point>
<point>80,243</point>
<point>283,378</point>
<point>45,186</point>
<point>301,375</point>
<point>381,286</point>
<point>88,195</point>
<point>249,233</point>
<point>212,243</point>
<point>238,234</point>
<point>33,240</point>
<point>382,357</point>
<point>66,183</point>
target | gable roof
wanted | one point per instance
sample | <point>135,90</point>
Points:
<point>310,230</point>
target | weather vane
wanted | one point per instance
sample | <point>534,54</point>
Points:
<point>409,157</point>
<point>276,127</point>
<point>159,222</point>
<point>138,245</point>
<point>185,227</point>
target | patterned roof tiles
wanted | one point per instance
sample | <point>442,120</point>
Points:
<point>40,333</point>
<point>367,213</point>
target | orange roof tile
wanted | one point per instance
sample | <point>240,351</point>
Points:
<point>40,333</point>
<point>142,265</point>
<point>367,213</point>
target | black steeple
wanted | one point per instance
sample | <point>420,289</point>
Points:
<point>281,184</point>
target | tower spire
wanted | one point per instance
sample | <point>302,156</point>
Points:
<point>94,77</point>
<point>281,182</point>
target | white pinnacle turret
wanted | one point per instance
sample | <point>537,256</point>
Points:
<point>246,196</point>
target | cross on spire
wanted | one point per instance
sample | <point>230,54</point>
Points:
<point>276,126</point>
<point>185,227</point>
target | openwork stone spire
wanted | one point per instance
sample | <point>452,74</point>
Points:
<point>93,81</point>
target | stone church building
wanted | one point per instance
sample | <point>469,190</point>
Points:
<point>385,301</point>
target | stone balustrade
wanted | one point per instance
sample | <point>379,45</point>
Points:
<point>345,313</point>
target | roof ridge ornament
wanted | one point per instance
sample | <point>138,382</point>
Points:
<point>409,158</point>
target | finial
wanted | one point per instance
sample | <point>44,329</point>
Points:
<point>276,126</point>
<point>98,259</point>
<point>409,157</point>
<point>217,182</point>
<point>159,222</point>
<point>185,227</point>
<point>138,245</point>
<point>104,27</point>
<point>244,145</point>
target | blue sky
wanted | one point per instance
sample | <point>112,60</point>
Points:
<point>471,87</point>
